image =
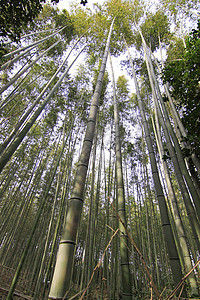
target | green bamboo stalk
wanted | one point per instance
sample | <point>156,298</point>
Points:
<point>52,213</point>
<point>32,44</point>
<point>27,67</point>
<point>6,156</point>
<point>30,109</point>
<point>63,269</point>
<point>17,90</point>
<point>188,204</point>
<point>180,158</point>
<point>39,212</point>
<point>176,214</point>
<point>172,251</point>
<point>125,269</point>
<point>9,63</point>
<point>64,196</point>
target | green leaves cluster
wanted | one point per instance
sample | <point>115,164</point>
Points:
<point>15,15</point>
<point>156,26</point>
<point>124,16</point>
<point>183,74</point>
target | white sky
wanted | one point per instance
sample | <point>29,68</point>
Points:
<point>66,3</point>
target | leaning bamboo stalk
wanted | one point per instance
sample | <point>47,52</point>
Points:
<point>27,67</point>
<point>6,156</point>
<point>31,34</point>
<point>176,116</point>
<point>34,226</point>
<point>125,269</point>
<point>17,90</point>
<point>63,269</point>
<point>173,254</point>
<point>27,113</point>
<point>184,171</point>
<point>175,210</point>
<point>33,44</point>
<point>12,61</point>
<point>90,228</point>
<point>181,283</point>
<point>186,197</point>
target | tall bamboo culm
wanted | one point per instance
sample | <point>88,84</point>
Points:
<point>124,255</point>
<point>167,231</point>
<point>64,264</point>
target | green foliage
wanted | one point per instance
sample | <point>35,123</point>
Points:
<point>46,17</point>
<point>154,27</point>
<point>123,12</point>
<point>51,17</point>
<point>15,15</point>
<point>99,27</point>
<point>97,23</point>
<point>176,50</point>
<point>92,59</point>
<point>64,20</point>
<point>56,50</point>
<point>183,75</point>
<point>122,87</point>
<point>81,20</point>
<point>180,6</point>
<point>123,98</point>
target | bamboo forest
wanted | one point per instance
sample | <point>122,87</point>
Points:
<point>100,149</point>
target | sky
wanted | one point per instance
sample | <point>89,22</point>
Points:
<point>66,3</point>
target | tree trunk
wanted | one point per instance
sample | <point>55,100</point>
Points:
<point>63,269</point>
<point>172,251</point>
<point>124,264</point>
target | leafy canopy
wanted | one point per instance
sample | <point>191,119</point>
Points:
<point>155,27</point>
<point>183,74</point>
<point>15,15</point>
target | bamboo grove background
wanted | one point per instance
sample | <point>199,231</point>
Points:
<point>98,197</point>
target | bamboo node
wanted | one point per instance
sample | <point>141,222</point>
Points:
<point>67,242</point>
<point>91,120</point>
<point>77,198</point>
<point>88,140</point>
<point>166,224</point>
<point>126,294</point>
<point>121,209</point>
<point>82,165</point>
<point>95,105</point>
<point>124,263</point>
